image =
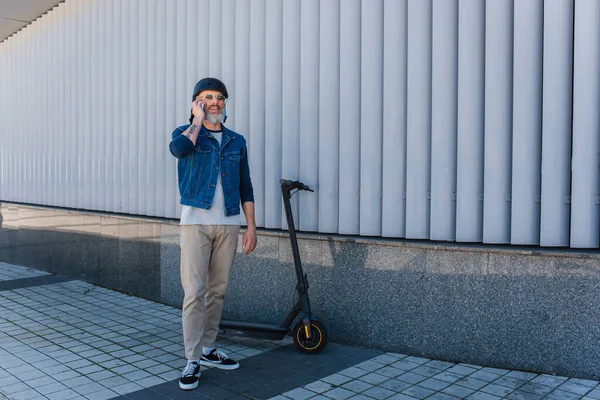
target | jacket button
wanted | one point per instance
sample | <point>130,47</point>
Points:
<point>224,174</point>
<point>226,192</point>
<point>222,158</point>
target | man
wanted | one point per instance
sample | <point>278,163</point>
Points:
<point>214,178</point>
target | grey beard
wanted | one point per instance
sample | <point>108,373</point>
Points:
<point>215,118</point>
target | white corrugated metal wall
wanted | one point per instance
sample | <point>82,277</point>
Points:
<point>447,120</point>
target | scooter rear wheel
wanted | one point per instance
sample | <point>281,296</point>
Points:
<point>317,341</point>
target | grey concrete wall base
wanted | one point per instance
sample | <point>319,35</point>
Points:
<point>518,308</point>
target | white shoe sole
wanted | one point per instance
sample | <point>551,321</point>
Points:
<point>188,386</point>
<point>217,365</point>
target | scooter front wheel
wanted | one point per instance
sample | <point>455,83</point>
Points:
<point>315,343</point>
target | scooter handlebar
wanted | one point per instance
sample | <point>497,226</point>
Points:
<point>294,185</point>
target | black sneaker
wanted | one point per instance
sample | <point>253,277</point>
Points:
<point>216,358</point>
<point>189,376</point>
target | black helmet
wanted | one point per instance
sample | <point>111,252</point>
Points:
<point>209,84</point>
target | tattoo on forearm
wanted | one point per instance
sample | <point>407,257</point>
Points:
<point>191,131</point>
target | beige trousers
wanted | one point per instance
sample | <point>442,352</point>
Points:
<point>207,253</point>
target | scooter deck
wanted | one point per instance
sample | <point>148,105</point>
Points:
<point>258,331</point>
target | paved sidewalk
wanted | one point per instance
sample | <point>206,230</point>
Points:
<point>66,339</point>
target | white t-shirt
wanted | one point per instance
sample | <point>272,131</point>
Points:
<point>216,215</point>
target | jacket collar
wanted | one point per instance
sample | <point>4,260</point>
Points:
<point>227,134</point>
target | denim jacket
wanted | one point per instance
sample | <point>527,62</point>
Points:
<point>198,168</point>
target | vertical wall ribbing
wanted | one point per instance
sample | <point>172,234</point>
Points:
<point>370,124</point>
<point>446,120</point>
<point>273,111</point>
<point>308,218</point>
<point>350,116</point>
<point>444,98</point>
<point>418,160</point>
<point>470,120</point>
<point>527,122</point>
<point>556,122</point>
<point>585,189</point>
<point>290,103</point>
<point>393,203</point>
<point>498,121</point>
<point>329,89</point>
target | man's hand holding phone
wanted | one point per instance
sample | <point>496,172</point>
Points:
<point>198,111</point>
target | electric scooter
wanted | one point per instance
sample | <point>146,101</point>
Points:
<point>310,334</point>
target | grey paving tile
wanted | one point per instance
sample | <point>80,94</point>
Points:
<point>158,369</point>
<point>461,370</point>
<point>405,365</point>
<point>78,364</point>
<point>39,381</point>
<point>146,363</point>
<point>510,381</point>
<point>368,365</point>
<point>79,381</point>
<point>67,358</point>
<point>471,383</point>
<point>90,353</point>
<point>434,384</point>
<point>458,391</point>
<point>353,372</point>
<point>549,380</point>
<point>357,386</point>
<point>520,395</point>
<point>126,388</point>
<point>385,359</point>
<point>101,375</point>
<point>101,358</point>
<point>585,382</point>
<point>124,369</point>
<point>417,360</point>
<point>170,375</point>
<point>496,390</point>
<point>576,387</point>
<point>336,379</point>
<point>536,388</point>
<point>27,394</point>
<point>14,388</point>
<point>112,363</point>
<point>89,369</point>
<point>318,386</point>
<point>418,392</point>
<point>63,375</point>
<point>441,396</point>
<point>594,394</point>
<point>133,358</point>
<point>9,380</point>
<point>89,388</point>
<point>104,394</point>
<point>150,381</point>
<point>425,371</point>
<point>411,378</point>
<point>524,376</point>
<point>299,394</point>
<point>122,353</point>
<point>338,394</point>
<point>113,381</point>
<point>448,377</point>
<point>483,396</point>
<point>484,376</point>
<point>395,385</point>
<point>443,365</point>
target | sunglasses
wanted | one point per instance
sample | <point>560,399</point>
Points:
<point>210,97</point>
